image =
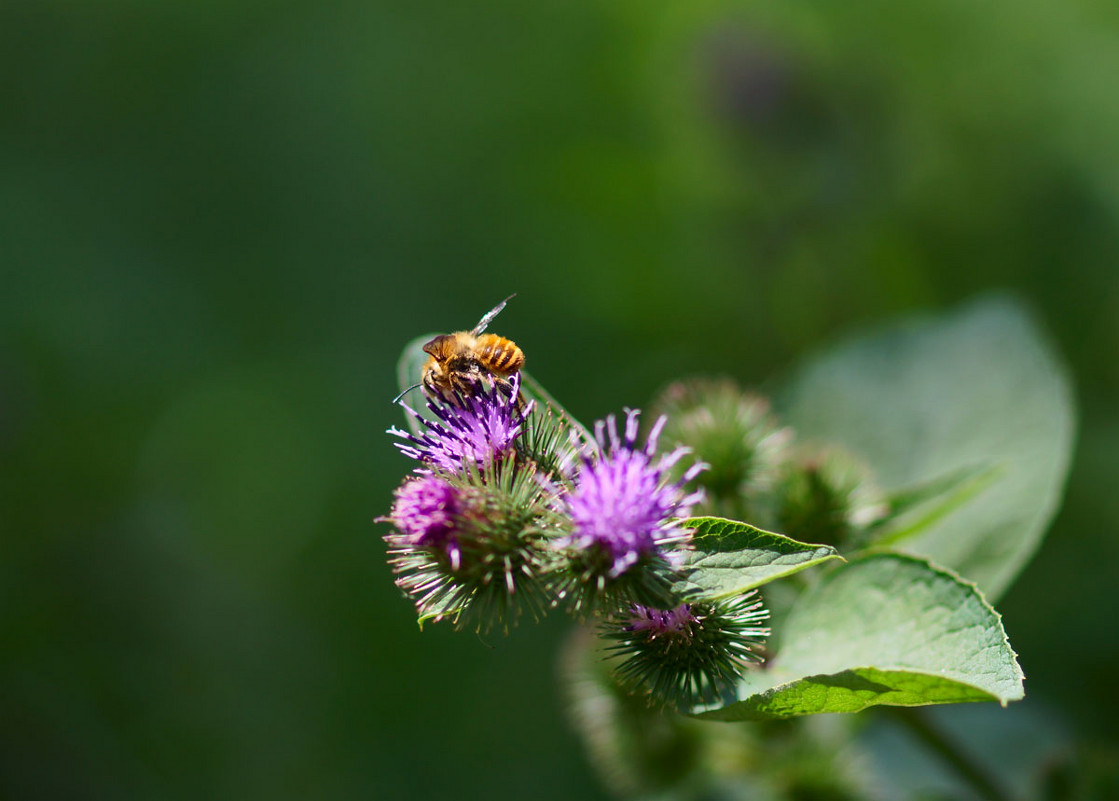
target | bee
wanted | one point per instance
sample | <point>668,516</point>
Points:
<point>459,362</point>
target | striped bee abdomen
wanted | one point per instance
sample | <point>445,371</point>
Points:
<point>499,355</point>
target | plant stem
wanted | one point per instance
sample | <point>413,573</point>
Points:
<point>965,766</point>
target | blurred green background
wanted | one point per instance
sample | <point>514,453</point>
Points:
<point>220,222</point>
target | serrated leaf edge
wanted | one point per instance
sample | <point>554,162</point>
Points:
<point>936,568</point>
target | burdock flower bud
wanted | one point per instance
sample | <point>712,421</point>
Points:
<point>474,553</point>
<point>826,495</point>
<point>734,433</point>
<point>694,653</point>
<point>625,538</point>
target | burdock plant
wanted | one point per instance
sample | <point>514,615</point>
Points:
<point>912,506</point>
<point>472,525</point>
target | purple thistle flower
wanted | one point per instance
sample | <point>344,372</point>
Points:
<point>661,622</point>
<point>424,511</point>
<point>471,554</point>
<point>694,653</point>
<point>484,427</point>
<point>623,504</point>
<point>426,517</point>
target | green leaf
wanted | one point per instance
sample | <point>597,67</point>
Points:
<point>930,397</point>
<point>915,509</point>
<point>884,629</point>
<point>730,558</point>
<point>1013,749</point>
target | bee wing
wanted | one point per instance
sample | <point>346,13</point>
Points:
<point>488,317</point>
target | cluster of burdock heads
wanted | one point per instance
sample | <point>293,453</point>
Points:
<point>512,510</point>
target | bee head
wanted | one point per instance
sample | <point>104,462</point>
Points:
<point>433,373</point>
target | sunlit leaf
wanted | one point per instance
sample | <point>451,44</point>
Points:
<point>729,558</point>
<point>930,397</point>
<point>884,629</point>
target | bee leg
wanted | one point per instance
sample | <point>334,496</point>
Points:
<point>463,385</point>
<point>507,386</point>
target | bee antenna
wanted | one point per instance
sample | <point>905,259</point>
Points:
<point>405,392</point>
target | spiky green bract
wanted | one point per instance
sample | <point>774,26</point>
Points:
<point>826,495</point>
<point>694,653</point>
<point>495,572</point>
<point>548,440</point>
<point>732,431</point>
<point>588,589</point>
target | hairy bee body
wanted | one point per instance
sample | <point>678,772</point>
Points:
<point>499,355</point>
<point>460,361</point>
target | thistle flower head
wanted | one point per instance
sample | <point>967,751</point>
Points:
<point>676,622</point>
<point>623,504</point>
<point>475,432</point>
<point>473,549</point>
<point>425,509</point>
<point>623,510</point>
<point>691,654</point>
